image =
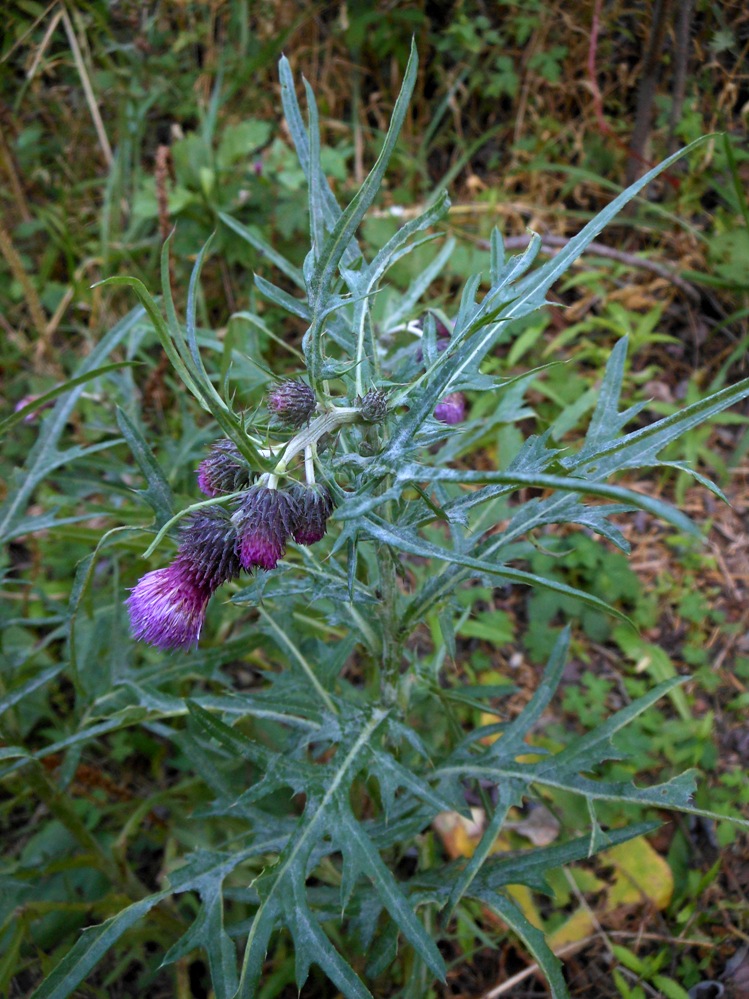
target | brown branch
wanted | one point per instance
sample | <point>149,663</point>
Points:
<point>15,265</point>
<point>603,126</point>
<point>646,88</point>
<point>681,63</point>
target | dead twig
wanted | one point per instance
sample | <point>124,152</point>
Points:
<point>88,90</point>
<point>15,264</point>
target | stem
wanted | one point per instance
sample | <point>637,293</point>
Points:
<point>326,423</point>
<point>391,651</point>
<point>285,640</point>
<point>309,465</point>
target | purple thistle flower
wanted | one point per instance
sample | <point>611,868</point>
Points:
<point>315,506</point>
<point>451,409</point>
<point>26,401</point>
<point>224,470</point>
<point>265,521</point>
<point>167,606</point>
<point>292,402</point>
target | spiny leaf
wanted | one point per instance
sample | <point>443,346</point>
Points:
<point>279,886</point>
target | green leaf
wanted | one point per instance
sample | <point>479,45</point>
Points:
<point>18,693</point>
<point>40,401</point>
<point>251,235</point>
<point>94,944</point>
<point>330,255</point>
<point>158,494</point>
<point>359,851</point>
<point>406,541</point>
<point>240,140</point>
<point>605,453</point>
<point>280,887</point>
<point>515,480</point>
<point>509,794</point>
<point>532,937</point>
<point>45,455</point>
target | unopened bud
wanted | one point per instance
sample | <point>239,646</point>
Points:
<point>265,522</point>
<point>292,402</point>
<point>224,470</point>
<point>374,406</point>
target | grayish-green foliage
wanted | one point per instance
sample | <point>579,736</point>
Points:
<point>310,735</point>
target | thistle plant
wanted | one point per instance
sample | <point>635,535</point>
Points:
<point>339,522</point>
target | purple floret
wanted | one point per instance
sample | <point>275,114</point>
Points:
<point>451,409</point>
<point>167,607</point>
<point>315,506</point>
<point>266,520</point>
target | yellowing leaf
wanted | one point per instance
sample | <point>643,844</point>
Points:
<point>458,834</point>
<point>640,874</point>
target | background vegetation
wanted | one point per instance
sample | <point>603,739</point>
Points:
<point>119,122</point>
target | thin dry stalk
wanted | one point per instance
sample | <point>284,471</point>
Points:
<point>88,90</point>
<point>19,197</point>
<point>161,178</point>
<point>535,969</point>
<point>39,54</point>
<point>551,244</point>
<point>33,302</point>
<point>30,30</point>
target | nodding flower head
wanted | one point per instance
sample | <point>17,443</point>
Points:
<point>374,406</point>
<point>451,409</point>
<point>224,470</point>
<point>265,522</point>
<point>315,505</point>
<point>292,402</point>
<point>167,606</point>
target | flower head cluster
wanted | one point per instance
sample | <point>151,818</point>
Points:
<point>268,517</point>
<point>167,606</point>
